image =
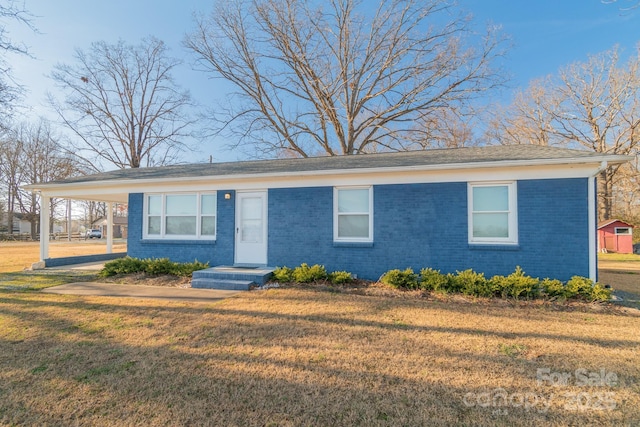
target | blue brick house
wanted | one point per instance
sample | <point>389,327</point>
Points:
<point>485,208</point>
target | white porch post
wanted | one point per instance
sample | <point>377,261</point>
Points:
<point>109,227</point>
<point>593,249</point>
<point>45,211</point>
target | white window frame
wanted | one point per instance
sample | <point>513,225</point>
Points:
<point>163,216</point>
<point>629,231</point>
<point>336,214</point>
<point>512,239</point>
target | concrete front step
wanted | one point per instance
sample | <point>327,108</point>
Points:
<point>229,285</point>
<point>231,277</point>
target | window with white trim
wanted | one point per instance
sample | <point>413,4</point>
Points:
<point>623,231</point>
<point>493,213</point>
<point>353,214</point>
<point>180,216</point>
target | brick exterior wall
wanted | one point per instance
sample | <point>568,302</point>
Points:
<point>218,252</point>
<point>416,225</point>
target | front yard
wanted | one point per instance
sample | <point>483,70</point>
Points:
<point>313,355</point>
<point>303,356</point>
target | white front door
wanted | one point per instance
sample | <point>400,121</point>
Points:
<point>251,228</point>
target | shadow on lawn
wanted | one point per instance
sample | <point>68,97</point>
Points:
<point>76,360</point>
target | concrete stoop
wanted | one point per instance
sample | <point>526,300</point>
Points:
<point>231,277</point>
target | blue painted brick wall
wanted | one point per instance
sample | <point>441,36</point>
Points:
<point>218,252</point>
<point>417,225</point>
<point>425,225</point>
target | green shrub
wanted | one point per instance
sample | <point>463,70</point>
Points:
<point>126,265</point>
<point>340,277</point>
<point>158,266</point>
<point>400,279</point>
<point>578,286</point>
<point>283,274</point>
<point>186,269</point>
<point>515,285</point>
<point>433,280</point>
<point>552,288</point>
<point>600,293</point>
<point>582,287</point>
<point>470,283</point>
<point>306,274</point>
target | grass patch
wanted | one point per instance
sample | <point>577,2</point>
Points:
<point>35,280</point>
<point>302,356</point>
<point>619,257</point>
<point>16,256</point>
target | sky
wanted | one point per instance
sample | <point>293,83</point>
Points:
<point>545,35</point>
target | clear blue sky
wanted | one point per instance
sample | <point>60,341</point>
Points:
<point>545,34</point>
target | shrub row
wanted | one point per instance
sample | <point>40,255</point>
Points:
<point>307,274</point>
<point>516,285</point>
<point>152,266</point>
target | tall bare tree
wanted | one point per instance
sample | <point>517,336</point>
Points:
<point>527,120</point>
<point>33,154</point>
<point>340,76</point>
<point>592,105</point>
<point>10,91</point>
<point>11,173</point>
<point>123,104</point>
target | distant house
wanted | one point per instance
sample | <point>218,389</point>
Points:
<point>485,208</point>
<point>20,224</point>
<point>120,226</point>
<point>615,236</point>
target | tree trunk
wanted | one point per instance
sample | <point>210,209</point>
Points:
<point>605,194</point>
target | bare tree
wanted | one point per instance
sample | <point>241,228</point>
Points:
<point>11,172</point>
<point>592,105</point>
<point>527,120</point>
<point>123,104</point>
<point>340,76</point>
<point>10,91</point>
<point>38,157</point>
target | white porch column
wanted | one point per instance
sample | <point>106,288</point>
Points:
<point>45,211</point>
<point>593,244</point>
<point>109,227</point>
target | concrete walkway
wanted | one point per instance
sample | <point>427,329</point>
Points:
<point>141,291</point>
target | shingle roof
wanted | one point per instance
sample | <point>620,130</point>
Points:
<point>454,156</point>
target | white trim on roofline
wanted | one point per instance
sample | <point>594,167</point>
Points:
<point>118,189</point>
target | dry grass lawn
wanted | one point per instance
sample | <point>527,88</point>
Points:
<point>310,356</point>
<point>16,256</point>
<point>304,356</point>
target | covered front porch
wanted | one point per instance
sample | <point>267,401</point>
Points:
<point>109,198</point>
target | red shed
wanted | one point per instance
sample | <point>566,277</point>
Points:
<point>615,236</point>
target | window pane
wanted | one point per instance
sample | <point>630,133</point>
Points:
<point>155,205</point>
<point>184,204</point>
<point>353,200</point>
<point>153,226</point>
<point>491,198</point>
<point>181,225</point>
<point>491,225</point>
<point>208,204</point>
<point>251,231</point>
<point>356,226</point>
<point>251,208</point>
<point>208,226</point>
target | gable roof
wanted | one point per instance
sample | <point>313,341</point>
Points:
<point>602,224</point>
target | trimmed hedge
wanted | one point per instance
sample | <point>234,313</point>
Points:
<point>516,285</point>
<point>151,266</point>
<point>309,274</point>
